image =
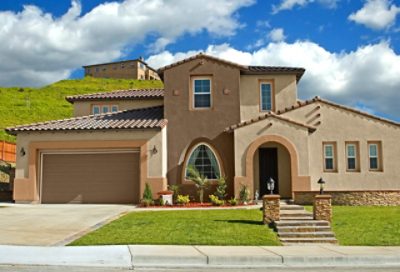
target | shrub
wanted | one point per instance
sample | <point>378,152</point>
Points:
<point>221,188</point>
<point>147,202</point>
<point>233,201</point>
<point>244,194</point>
<point>201,182</point>
<point>147,194</point>
<point>216,201</point>
<point>161,201</point>
<point>174,188</point>
<point>182,199</point>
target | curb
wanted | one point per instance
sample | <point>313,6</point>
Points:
<point>175,257</point>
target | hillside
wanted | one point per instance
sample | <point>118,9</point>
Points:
<point>28,105</point>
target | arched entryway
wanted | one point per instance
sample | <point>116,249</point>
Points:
<point>272,156</point>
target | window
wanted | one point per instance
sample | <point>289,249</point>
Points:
<point>329,157</point>
<point>114,108</point>
<point>201,93</point>
<point>96,110</point>
<point>352,156</point>
<point>97,69</point>
<point>105,109</point>
<point>374,153</point>
<point>266,96</point>
<point>205,161</point>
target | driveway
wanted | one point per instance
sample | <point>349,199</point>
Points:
<point>49,225</point>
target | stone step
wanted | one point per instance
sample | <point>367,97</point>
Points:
<point>297,218</point>
<point>291,208</point>
<point>301,223</point>
<point>329,240</point>
<point>303,228</point>
<point>295,213</point>
<point>320,234</point>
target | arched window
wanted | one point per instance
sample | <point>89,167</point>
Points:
<point>205,161</point>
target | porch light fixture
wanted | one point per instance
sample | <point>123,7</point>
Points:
<point>22,152</point>
<point>321,183</point>
<point>154,150</point>
<point>271,185</point>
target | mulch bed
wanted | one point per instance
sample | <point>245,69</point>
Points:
<point>194,205</point>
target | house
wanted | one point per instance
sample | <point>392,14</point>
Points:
<point>245,123</point>
<point>128,69</point>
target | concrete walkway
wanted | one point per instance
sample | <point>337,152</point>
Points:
<point>47,225</point>
<point>151,256</point>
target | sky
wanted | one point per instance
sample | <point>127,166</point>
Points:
<point>349,48</point>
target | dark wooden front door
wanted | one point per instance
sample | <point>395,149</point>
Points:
<point>268,160</point>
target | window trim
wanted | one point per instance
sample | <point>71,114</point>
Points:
<point>192,93</point>
<point>334,161</point>
<point>95,106</point>
<point>356,156</point>
<point>101,108</point>
<point>379,156</point>
<point>272,83</point>
<point>188,155</point>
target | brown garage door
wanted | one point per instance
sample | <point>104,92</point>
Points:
<point>90,178</point>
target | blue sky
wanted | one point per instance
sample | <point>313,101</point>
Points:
<point>351,49</point>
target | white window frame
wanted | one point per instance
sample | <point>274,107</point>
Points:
<point>351,157</point>
<point>98,107</point>
<point>261,97</point>
<point>372,157</point>
<point>325,145</point>
<point>191,153</point>
<point>103,107</point>
<point>194,94</point>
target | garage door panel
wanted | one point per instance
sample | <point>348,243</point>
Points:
<point>90,178</point>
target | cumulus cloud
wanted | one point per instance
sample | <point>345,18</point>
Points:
<point>36,48</point>
<point>376,14</point>
<point>277,35</point>
<point>290,4</point>
<point>368,76</point>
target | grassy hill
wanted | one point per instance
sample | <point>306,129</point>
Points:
<point>28,105</point>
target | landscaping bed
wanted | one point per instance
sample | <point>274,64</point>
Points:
<point>195,227</point>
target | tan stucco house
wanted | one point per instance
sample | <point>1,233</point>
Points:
<point>242,122</point>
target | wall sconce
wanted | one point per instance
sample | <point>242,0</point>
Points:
<point>154,150</point>
<point>22,152</point>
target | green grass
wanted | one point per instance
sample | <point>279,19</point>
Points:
<point>196,227</point>
<point>27,105</point>
<point>366,225</point>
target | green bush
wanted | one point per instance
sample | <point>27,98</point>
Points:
<point>161,201</point>
<point>147,202</point>
<point>147,194</point>
<point>233,201</point>
<point>244,194</point>
<point>182,199</point>
<point>221,188</point>
<point>216,201</point>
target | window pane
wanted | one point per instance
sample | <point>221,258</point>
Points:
<point>373,163</point>
<point>329,164</point>
<point>351,163</point>
<point>96,110</point>
<point>202,86</point>
<point>205,161</point>
<point>105,109</point>
<point>328,151</point>
<point>266,98</point>
<point>114,108</point>
<point>351,151</point>
<point>373,150</point>
<point>202,101</point>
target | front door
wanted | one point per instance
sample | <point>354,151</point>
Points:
<point>268,160</point>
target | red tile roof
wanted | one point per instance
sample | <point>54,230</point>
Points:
<point>147,118</point>
<point>119,95</point>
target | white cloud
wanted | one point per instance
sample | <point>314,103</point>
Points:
<point>290,4</point>
<point>37,48</point>
<point>368,76</point>
<point>376,14</point>
<point>277,35</point>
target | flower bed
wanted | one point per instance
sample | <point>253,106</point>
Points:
<point>195,205</point>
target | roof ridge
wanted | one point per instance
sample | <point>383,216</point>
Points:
<point>114,91</point>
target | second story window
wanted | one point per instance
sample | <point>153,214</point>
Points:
<point>201,93</point>
<point>266,96</point>
<point>329,157</point>
<point>352,156</point>
<point>97,109</point>
<point>374,154</point>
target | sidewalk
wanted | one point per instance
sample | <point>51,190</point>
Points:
<point>151,256</point>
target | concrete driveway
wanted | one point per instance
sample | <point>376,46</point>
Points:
<point>52,225</point>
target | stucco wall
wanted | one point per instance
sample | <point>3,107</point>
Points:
<point>82,108</point>
<point>154,137</point>
<point>187,126</point>
<point>285,90</point>
<point>339,125</point>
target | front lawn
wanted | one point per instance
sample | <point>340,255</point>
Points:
<point>200,227</point>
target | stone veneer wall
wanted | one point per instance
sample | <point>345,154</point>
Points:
<point>353,198</point>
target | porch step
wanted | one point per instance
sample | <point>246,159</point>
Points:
<point>291,208</point>
<point>297,217</point>
<point>309,234</point>
<point>289,241</point>
<point>301,223</point>
<point>295,213</point>
<point>316,228</point>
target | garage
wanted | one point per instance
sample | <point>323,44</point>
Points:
<point>93,177</point>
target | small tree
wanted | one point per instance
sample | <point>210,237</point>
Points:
<point>147,194</point>
<point>221,188</point>
<point>244,194</point>
<point>201,182</point>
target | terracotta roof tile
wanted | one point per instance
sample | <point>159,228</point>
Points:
<point>147,118</point>
<point>275,70</point>
<point>119,95</point>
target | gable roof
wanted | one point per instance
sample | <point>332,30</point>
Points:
<point>147,118</point>
<point>119,95</point>
<point>316,99</point>
<point>265,116</point>
<point>244,69</point>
